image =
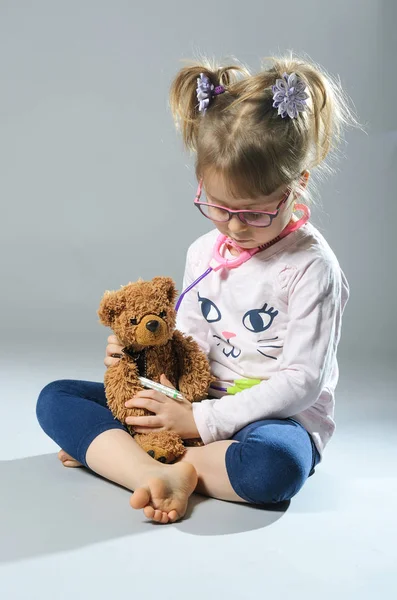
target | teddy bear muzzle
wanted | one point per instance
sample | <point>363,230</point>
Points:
<point>152,331</point>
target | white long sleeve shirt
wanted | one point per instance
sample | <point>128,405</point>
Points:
<point>276,318</point>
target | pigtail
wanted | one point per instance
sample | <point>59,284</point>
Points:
<point>330,110</point>
<point>183,96</point>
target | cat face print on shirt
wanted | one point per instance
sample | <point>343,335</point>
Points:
<point>255,321</point>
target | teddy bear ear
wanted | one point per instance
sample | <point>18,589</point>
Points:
<point>111,306</point>
<point>165,285</point>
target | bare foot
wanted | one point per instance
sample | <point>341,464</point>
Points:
<point>165,492</point>
<point>67,460</point>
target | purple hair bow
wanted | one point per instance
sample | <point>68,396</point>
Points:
<point>289,95</point>
<point>206,91</point>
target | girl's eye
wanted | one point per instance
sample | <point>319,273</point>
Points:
<point>209,310</point>
<point>133,321</point>
<point>162,314</point>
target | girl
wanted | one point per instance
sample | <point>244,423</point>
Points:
<point>270,327</point>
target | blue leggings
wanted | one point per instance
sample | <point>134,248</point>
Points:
<point>270,464</point>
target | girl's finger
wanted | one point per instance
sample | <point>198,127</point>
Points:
<point>110,362</point>
<point>165,381</point>
<point>114,349</point>
<point>147,429</point>
<point>153,422</point>
<point>136,402</point>
<point>151,394</point>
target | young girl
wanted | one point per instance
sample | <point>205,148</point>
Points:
<point>270,326</point>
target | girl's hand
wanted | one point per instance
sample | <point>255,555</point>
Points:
<point>113,347</point>
<point>169,414</point>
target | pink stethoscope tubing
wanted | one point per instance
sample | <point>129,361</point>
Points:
<point>218,261</point>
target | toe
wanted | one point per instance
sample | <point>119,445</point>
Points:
<point>158,514</point>
<point>173,516</point>
<point>140,498</point>
<point>67,460</point>
<point>164,518</point>
<point>149,512</point>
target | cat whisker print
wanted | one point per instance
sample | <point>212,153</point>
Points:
<point>268,346</point>
<point>268,355</point>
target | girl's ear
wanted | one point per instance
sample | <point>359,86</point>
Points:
<point>303,181</point>
<point>305,178</point>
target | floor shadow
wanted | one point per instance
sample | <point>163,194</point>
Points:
<point>215,517</point>
<point>325,491</point>
<point>46,508</point>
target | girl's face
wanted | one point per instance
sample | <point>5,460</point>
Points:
<point>248,236</point>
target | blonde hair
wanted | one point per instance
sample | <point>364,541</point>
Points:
<point>242,137</point>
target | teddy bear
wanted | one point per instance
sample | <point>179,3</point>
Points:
<point>143,317</point>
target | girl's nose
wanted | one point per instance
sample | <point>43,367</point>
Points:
<point>228,334</point>
<point>235,225</point>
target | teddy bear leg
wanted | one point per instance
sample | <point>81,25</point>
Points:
<point>193,443</point>
<point>164,446</point>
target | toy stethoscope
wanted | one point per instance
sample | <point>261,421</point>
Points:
<point>218,261</point>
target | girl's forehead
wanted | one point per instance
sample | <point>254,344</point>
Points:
<point>215,187</point>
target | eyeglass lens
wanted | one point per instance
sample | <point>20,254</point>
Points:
<point>222,216</point>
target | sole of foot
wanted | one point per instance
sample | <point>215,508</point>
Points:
<point>164,493</point>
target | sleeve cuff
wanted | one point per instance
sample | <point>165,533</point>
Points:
<point>201,424</point>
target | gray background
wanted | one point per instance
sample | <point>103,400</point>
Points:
<point>96,190</point>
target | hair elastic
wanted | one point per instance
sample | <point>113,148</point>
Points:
<point>289,95</point>
<point>206,91</point>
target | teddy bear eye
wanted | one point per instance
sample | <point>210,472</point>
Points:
<point>133,321</point>
<point>162,314</point>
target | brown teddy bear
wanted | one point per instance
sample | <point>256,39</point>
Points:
<point>143,317</point>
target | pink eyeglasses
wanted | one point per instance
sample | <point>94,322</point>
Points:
<point>221,214</point>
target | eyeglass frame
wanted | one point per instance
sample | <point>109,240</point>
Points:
<point>240,213</point>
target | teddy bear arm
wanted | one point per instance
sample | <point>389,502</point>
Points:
<point>121,384</point>
<point>195,376</point>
